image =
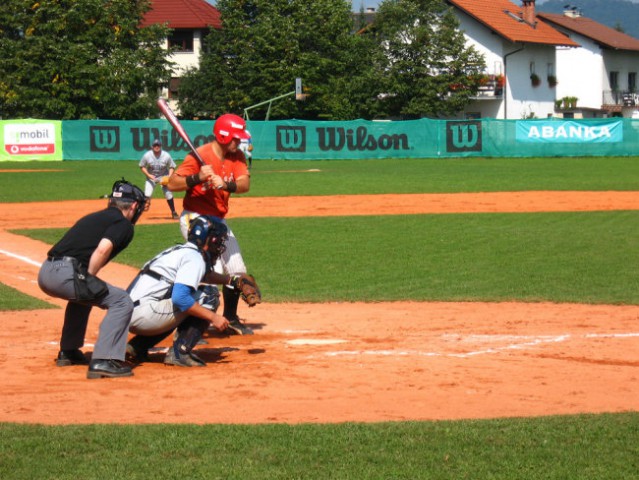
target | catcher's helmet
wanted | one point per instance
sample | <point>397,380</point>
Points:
<point>208,230</point>
<point>127,192</point>
<point>229,126</point>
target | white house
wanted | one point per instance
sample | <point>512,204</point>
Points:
<point>190,21</point>
<point>519,50</point>
<point>602,73</point>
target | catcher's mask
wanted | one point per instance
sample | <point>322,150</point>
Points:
<point>126,192</point>
<point>208,230</point>
<point>230,126</point>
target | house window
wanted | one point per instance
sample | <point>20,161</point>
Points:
<point>532,67</point>
<point>181,40</point>
<point>551,69</point>
<point>174,88</point>
<point>614,80</point>
<point>632,81</point>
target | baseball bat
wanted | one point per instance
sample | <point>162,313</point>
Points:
<point>177,126</point>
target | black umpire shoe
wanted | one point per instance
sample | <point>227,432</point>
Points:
<point>100,368</point>
<point>71,357</point>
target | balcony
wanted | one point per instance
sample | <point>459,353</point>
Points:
<point>615,99</point>
<point>491,88</point>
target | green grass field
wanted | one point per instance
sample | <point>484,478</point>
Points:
<point>587,257</point>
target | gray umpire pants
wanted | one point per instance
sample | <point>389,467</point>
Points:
<point>56,279</point>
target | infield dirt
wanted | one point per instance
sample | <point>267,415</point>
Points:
<point>333,362</point>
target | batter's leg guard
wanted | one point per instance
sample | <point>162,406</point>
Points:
<point>190,331</point>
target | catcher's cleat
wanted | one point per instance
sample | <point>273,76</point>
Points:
<point>67,358</point>
<point>175,216</point>
<point>183,359</point>
<point>136,356</point>
<point>236,327</point>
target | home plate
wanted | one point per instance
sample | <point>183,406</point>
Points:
<point>314,341</point>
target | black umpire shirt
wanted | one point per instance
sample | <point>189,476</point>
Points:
<point>83,238</point>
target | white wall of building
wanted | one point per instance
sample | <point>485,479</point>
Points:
<point>520,98</point>
<point>581,74</point>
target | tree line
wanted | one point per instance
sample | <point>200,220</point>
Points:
<point>88,59</point>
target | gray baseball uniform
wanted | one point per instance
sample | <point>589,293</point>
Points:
<point>158,166</point>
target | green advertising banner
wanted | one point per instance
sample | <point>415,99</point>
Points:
<point>357,139</point>
<point>426,138</point>
<point>297,139</point>
<point>128,140</point>
<point>31,139</point>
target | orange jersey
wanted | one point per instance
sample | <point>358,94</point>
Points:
<point>202,198</point>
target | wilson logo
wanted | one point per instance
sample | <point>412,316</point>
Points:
<point>141,139</point>
<point>463,137</point>
<point>104,139</point>
<point>290,139</point>
<point>337,139</point>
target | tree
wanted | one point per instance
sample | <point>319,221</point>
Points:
<point>75,59</point>
<point>264,45</point>
<point>428,70</point>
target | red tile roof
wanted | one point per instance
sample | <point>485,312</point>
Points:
<point>606,36</point>
<point>505,18</point>
<point>183,14</point>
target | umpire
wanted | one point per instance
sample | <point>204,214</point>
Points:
<point>70,273</point>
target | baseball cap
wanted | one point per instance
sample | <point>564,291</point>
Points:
<point>157,142</point>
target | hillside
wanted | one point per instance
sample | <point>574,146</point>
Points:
<point>612,13</point>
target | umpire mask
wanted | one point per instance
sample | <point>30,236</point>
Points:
<point>129,193</point>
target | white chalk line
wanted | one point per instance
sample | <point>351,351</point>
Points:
<point>20,257</point>
<point>536,341</point>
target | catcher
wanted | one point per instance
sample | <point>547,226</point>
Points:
<point>168,294</point>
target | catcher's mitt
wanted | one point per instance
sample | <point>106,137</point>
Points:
<point>247,286</point>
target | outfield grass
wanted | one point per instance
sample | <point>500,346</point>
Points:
<point>90,179</point>
<point>573,257</point>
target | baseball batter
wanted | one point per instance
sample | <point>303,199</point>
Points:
<point>208,189</point>
<point>168,294</point>
<point>156,165</point>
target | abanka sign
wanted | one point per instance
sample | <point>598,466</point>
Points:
<point>553,131</point>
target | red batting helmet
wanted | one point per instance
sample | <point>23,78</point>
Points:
<point>229,126</point>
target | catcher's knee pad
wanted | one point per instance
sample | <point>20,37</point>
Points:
<point>209,297</point>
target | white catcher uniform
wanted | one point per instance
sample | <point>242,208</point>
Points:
<point>154,312</point>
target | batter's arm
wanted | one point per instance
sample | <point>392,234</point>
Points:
<point>242,185</point>
<point>179,183</point>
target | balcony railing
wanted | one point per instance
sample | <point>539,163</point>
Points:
<point>624,98</point>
